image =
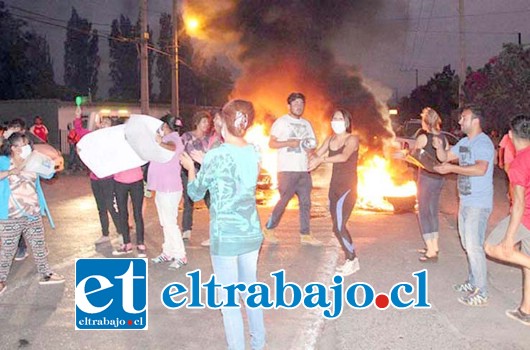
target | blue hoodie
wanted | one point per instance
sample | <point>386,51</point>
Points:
<point>230,173</point>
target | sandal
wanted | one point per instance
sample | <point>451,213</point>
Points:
<point>428,259</point>
<point>423,251</point>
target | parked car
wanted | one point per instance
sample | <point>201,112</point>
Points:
<point>45,148</point>
<point>406,137</point>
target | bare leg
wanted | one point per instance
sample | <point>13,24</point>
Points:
<point>525,304</point>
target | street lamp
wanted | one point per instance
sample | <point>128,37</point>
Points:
<point>192,24</point>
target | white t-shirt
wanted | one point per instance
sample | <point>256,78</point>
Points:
<point>288,128</point>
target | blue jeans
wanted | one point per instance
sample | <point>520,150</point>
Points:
<point>429,190</point>
<point>239,269</point>
<point>289,184</point>
<point>472,223</point>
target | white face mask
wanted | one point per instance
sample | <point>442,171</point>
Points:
<point>338,126</point>
<point>25,151</point>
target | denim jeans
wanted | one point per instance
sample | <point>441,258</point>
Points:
<point>289,184</point>
<point>189,204</point>
<point>472,223</point>
<point>429,190</point>
<point>235,269</point>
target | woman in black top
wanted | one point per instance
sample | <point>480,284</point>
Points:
<point>341,149</point>
<point>429,183</point>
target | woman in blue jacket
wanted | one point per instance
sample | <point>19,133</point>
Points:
<point>21,200</point>
<point>230,173</point>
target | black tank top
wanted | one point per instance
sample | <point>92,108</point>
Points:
<point>345,173</point>
<point>429,148</point>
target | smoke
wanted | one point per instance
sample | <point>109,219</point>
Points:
<point>285,46</point>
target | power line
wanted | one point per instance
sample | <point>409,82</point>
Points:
<point>424,35</point>
<point>466,32</point>
<point>46,16</point>
<point>119,39</point>
<point>408,66</point>
<point>496,13</point>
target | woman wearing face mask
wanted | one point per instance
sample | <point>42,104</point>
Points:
<point>230,173</point>
<point>21,200</point>
<point>163,178</point>
<point>341,149</point>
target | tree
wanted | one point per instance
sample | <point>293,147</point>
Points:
<point>39,72</point>
<point>188,82</point>
<point>439,93</point>
<point>216,83</point>
<point>163,62</point>
<point>502,86</point>
<point>124,64</point>
<point>25,65</point>
<point>93,63</point>
<point>81,60</point>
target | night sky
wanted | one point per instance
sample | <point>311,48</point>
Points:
<point>385,40</point>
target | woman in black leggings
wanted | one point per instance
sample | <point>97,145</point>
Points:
<point>342,150</point>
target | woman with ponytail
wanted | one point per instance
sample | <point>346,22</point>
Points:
<point>230,173</point>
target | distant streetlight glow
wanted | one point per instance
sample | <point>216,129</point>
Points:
<point>393,111</point>
<point>192,24</point>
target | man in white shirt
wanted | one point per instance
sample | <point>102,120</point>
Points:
<point>293,137</point>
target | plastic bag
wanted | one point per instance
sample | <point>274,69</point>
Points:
<point>41,164</point>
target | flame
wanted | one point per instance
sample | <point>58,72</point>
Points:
<point>376,181</point>
<point>268,92</point>
<point>258,136</point>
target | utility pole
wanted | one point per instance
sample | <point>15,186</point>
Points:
<point>519,39</point>
<point>175,65</point>
<point>144,73</point>
<point>416,77</point>
<point>461,28</point>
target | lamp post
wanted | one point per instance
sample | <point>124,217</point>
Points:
<point>175,65</point>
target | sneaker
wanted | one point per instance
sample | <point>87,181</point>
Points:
<point>269,236</point>
<point>310,240</point>
<point>186,235</point>
<point>140,251</point>
<point>162,258</point>
<point>3,287</point>
<point>206,243</point>
<point>22,253</point>
<point>463,287</point>
<point>474,299</point>
<point>178,263</point>
<point>516,314</point>
<point>52,278</point>
<point>349,268</point>
<point>123,249</point>
<point>102,239</point>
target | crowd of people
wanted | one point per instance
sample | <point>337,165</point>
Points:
<point>213,162</point>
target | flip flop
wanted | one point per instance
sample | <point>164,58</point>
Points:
<point>428,259</point>
<point>423,251</point>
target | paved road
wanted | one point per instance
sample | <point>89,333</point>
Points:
<point>42,317</point>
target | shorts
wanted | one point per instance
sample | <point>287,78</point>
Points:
<point>499,232</point>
